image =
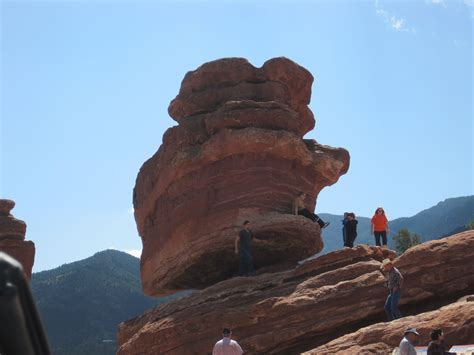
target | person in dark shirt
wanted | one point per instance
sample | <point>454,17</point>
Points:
<point>394,285</point>
<point>344,221</point>
<point>350,230</point>
<point>243,247</point>
<point>437,346</point>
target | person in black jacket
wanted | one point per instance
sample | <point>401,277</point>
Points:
<point>243,247</point>
<point>437,346</point>
<point>351,230</point>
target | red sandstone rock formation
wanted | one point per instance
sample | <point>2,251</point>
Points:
<point>297,310</point>
<point>269,313</point>
<point>12,238</point>
<point>423,266</point>
<point>236,154</point>
<point>456,320</point>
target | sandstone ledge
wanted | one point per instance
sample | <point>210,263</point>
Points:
<point>456,320</point>
<point>301,309</point>
<point>292,304</point>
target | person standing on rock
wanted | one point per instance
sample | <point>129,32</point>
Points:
<point>243,246</point>
<point>227,346</point>
<point>406,345</point>
<point>299,207</point>
<point>394,284</point>
<point>380,227</point>
<point>344,221</point>
<point>351,230</point>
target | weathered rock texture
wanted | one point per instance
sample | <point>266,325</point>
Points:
<point>238,153</point>
<point>12,238</point>
<point>300,309</point>
<point>456,320</point>
<point>450,260</point>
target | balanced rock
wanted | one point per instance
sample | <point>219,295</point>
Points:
<point>237,153</point>
<point>12,237</point>
<point>300,309</point>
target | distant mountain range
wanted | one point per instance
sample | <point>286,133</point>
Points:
<point>446,218</point>
<point>82,303</point>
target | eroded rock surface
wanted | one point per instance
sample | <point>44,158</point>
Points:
<point>269,313</point>
<point>456,320</point>
<point>238,153</point>
<point>12,237</point>
<point>301,309</point>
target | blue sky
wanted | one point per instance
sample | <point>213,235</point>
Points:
<point>85,87</point>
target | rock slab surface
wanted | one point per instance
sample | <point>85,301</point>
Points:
<point>456,320</point>
<point>300,309</point>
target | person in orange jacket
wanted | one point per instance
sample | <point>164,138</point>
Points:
<point>380,227</point>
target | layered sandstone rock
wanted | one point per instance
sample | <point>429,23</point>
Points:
<point>300,309</point>
<point>238,153</point>
<point>12,238</point>
<point>456,320</point>
<point>269,313</point>
<point>439,269</point>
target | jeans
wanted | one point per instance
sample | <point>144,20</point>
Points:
<point>246,263</point>
<point>391,306</point>
<point>377,236</point>
<point>312,216</point>
<point>350,240</point>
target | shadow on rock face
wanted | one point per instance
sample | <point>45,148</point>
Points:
<point>237,153</point>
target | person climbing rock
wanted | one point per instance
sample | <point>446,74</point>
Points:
<point>243,247</point>
<point>299,208</point>
<point>394,285</point>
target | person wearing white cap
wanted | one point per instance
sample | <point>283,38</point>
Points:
<point>406,345</point>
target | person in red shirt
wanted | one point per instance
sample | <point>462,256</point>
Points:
<point>380,227</point>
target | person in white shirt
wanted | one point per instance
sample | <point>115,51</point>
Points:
<point>406,345</point>
<point>227,346</point>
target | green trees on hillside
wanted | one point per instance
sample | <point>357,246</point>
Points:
<point>471,224</point>
<point>404,240</point>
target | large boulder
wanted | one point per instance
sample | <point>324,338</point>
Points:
<point>238,153</point>
<point>439,269</point>
<point>12,238</point>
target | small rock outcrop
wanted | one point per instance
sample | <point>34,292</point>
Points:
<point>309,306</point>
<point>12,237</point>
<point>237,153</point>
<point>456,320</point>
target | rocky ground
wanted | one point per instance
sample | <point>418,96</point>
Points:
<point>312,306</point>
